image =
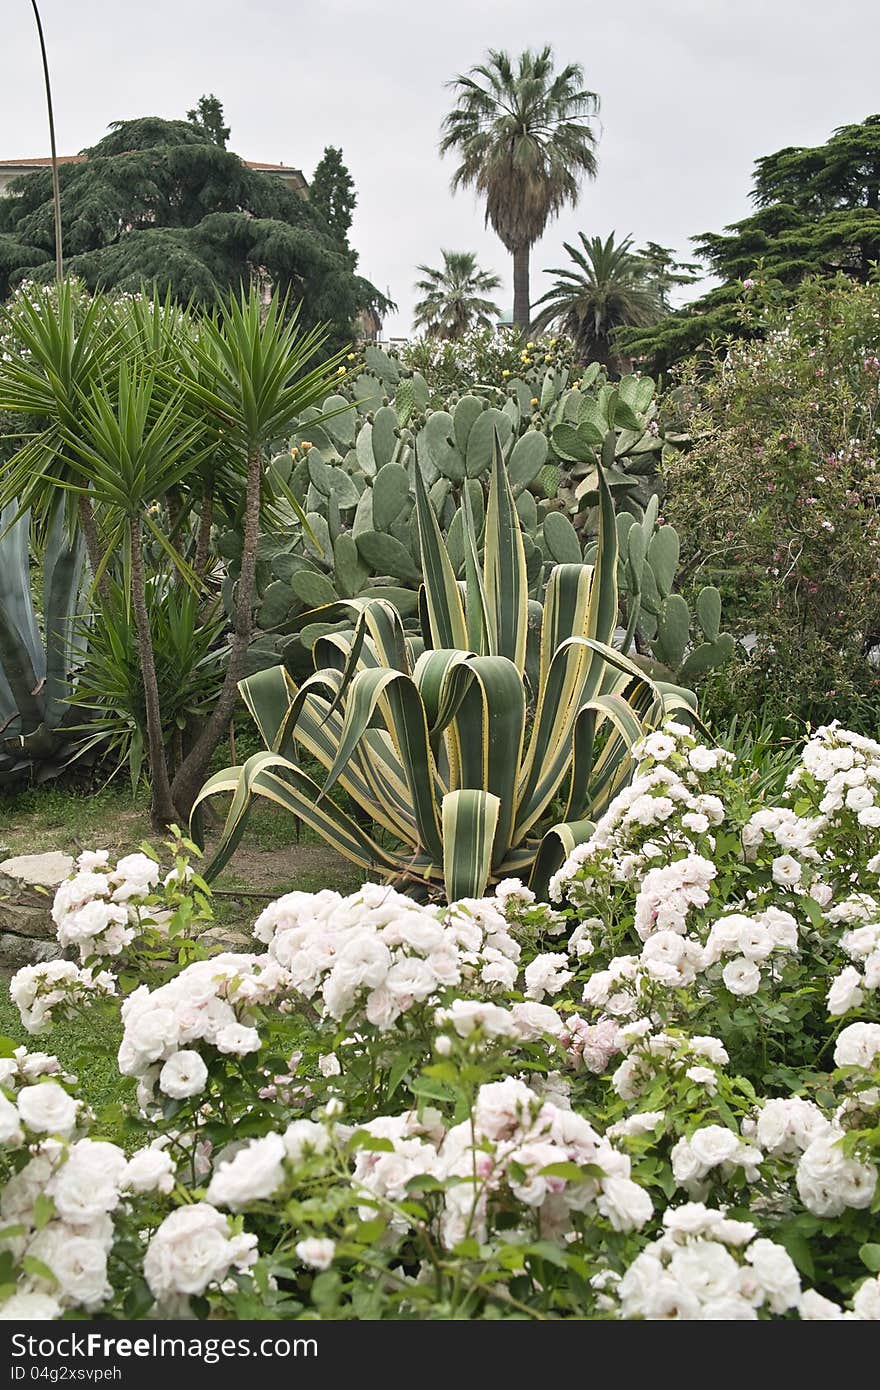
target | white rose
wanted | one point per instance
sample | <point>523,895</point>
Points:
<point>703,759</point>
<point>316,1253</point>
<point>47,1108</point>
<point>686,1166</point>
<point>410,979</point>
<point>235,1038</point>
<point>845,992</point>
<point>30,1307</point>
<point>786,870</point>
<point>866,1304</point>
<point>10,1123</point>
<point>192,1249</point>
<point>857,1046</point>
<point>302,1138</point>
<point>546,974</point>
<point>150,1033</point>
<point>256,1171</point>
<point>183,1075</point>
<point>382,1008</point>
<point>534,1020</point>
<point>626,1205</point>
<point>706,1269</point>
<point>713,1144</point>
<point>88,1183</point>
<point>814,1308</point>
<point>149,1170</point>
<point>776,1273</point>
<point>741,976</point>
<point>80,1266</point>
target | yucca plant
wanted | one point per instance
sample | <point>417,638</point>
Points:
<point>57,344</point>
<point>189,655</point>
<point>472,768</point>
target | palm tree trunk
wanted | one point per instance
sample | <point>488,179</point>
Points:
<point>162,808</point>
<point>522,304</point>
<point>191,773</point>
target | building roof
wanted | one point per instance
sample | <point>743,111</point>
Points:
<point>258,165</point>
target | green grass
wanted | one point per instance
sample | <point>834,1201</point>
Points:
<point>85,1046</point>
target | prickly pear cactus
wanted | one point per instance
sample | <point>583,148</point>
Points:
<point>350,465</point>
<point>660,625</point>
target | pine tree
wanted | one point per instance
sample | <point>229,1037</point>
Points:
<point>155,203</point>
<point>331,193</point>
<point>818,213</point>
<point>207,116</point>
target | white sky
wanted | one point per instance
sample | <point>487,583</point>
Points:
<point>692,92</point>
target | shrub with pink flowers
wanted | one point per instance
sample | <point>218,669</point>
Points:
<point>775,497</point>
<point>657,1096</point>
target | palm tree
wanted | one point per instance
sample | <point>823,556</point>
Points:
<point>453,299</point>
<point>608,288</point>
<point>524,139</point>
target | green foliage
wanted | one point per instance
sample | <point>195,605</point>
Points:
<point>522,134</point>
<point>609,287</point>
<point>207,116</point>
<point>483,356</point>
<point>197,223</point>
<point>352,468</point>
<point>189,657</point>
<point>453,298</point>
<point>818,213</point>
<point>157,420</point>
<point>37,660</point>
<point>775,502</point>
<point>332,195</point>
<point>430,740</point>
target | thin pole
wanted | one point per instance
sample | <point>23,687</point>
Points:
<point>56,187</point>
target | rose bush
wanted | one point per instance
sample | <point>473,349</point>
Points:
<point>658,1097</point>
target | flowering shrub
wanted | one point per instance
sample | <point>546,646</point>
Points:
<point>775,500</point>
<point>483,357</point>
<point>657,1098</point>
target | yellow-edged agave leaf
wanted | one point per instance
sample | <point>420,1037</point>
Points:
<point>394,695</point>
<point>269,696</point>
<point>293,790</point>
<point>431,743</point>
<point>554,849</point>
<point>442,678</point>
<point>470,820</point>
<point>372,775</point>
<point>489,729</point>
<point>605,567</point>
<point>504,564</point>
<point>481,630</point>
<point>440,595</point>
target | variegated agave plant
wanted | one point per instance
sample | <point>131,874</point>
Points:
<point>483,749</point>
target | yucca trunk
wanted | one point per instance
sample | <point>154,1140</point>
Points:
<point>203,541</point>
<point>191,773</point>
<point>93,544</point>
<point>522,305</point>
<point>162,806</point>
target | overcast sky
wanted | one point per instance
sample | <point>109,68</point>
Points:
<point>692,92</point>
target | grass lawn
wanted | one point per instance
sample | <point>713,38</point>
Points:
<point>272,858</point>
<point>92,1058</point>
